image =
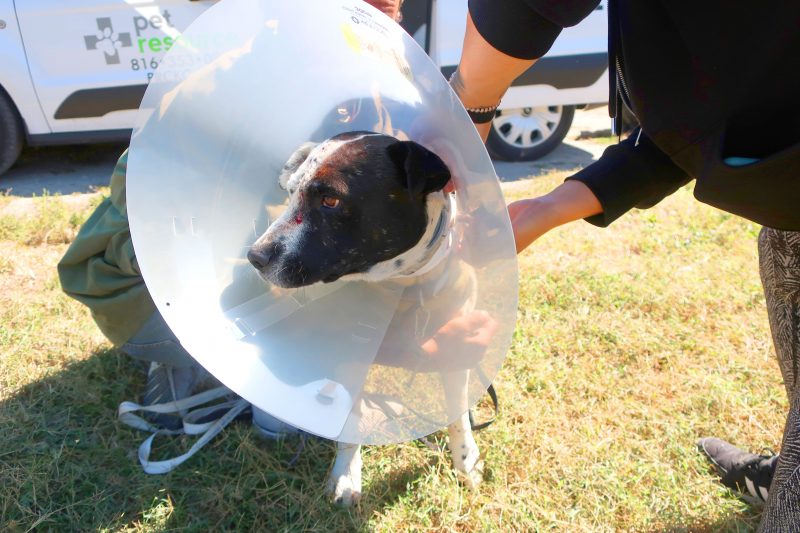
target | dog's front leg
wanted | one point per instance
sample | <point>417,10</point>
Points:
<point>344,483</point>
<point>465,453</point>
<point>463,448</point>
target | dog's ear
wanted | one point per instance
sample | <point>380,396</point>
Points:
<point>294,162</point>
<point>421,171</point>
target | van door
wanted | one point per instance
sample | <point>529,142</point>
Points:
<point>90,60</point>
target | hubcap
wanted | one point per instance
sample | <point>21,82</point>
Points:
<point>527,127</point>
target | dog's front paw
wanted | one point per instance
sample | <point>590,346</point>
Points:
<point>344,490</point>
<point>468,463</point>
<point>464,450</point>
<point>344,482</point>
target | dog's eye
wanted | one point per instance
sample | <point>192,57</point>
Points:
<point>330,202</point>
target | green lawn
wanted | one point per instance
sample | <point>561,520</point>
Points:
<point>631,343</point>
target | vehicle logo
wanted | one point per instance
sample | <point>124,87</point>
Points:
<point>107,41</point>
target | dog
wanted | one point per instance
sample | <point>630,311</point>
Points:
<point>365,206</point>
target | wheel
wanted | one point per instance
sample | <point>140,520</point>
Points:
<point>528,133</point>
<point>11,134</point>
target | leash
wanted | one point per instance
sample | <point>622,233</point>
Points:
<point>209,421</point>
<point>473,426</point>
<point>203,415</point>
<point>477,427</point>
<point>205,421</point>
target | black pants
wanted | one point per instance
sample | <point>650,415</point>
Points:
<point>779,263</point>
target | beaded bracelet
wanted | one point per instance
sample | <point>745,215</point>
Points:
<point>482,115</point>
<point>478,115</point>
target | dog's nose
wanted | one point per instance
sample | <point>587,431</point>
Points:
<point>259,258</point>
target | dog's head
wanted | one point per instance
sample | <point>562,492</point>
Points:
<point>356,202</point>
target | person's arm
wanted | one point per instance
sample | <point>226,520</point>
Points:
<point>484,74</point>
<point>633,173</point>
<point>533,217</point>
<point>503,39</point>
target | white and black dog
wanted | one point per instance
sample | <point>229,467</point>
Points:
<point>366,206</point>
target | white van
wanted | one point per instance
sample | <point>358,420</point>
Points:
<point>75,71</point>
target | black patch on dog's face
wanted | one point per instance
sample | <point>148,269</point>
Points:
<point>351,207</point>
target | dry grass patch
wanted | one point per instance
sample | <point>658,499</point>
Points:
<point>44,219</point>
<point>632,342</point>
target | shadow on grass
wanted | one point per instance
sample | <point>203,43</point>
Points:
<point>565,157</point>
<point>66,464</point>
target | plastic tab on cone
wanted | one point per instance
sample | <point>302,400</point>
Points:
<point>364,362</point>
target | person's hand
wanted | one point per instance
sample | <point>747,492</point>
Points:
<point>461,343</point>
<point>533,217</point>
<point>390,7</point>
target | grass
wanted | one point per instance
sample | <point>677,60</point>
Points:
<point>601,137</point>
<point>45,219</point>
<point>631,343</point>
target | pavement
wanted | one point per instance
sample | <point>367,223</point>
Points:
<point>71,170</point>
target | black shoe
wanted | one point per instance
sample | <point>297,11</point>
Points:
<point>747,473</point>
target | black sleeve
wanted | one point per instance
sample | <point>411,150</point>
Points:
<point>526,29</point>
<point>628,176</point>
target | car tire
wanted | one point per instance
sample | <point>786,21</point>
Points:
<point>528,133</point>
<point>12,137</point>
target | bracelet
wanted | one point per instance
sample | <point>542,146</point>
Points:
<point>478,115</point>
<point>482,115</point>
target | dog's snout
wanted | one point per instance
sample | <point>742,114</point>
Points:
<point>259,257</point>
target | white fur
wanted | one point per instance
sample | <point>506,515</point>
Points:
<point>463,449</point>
<point>344,482</point>
<point>465,453</point>
<point>294,162</point>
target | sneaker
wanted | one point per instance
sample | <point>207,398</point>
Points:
<point>747,473</point>
<point>166,383</point>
